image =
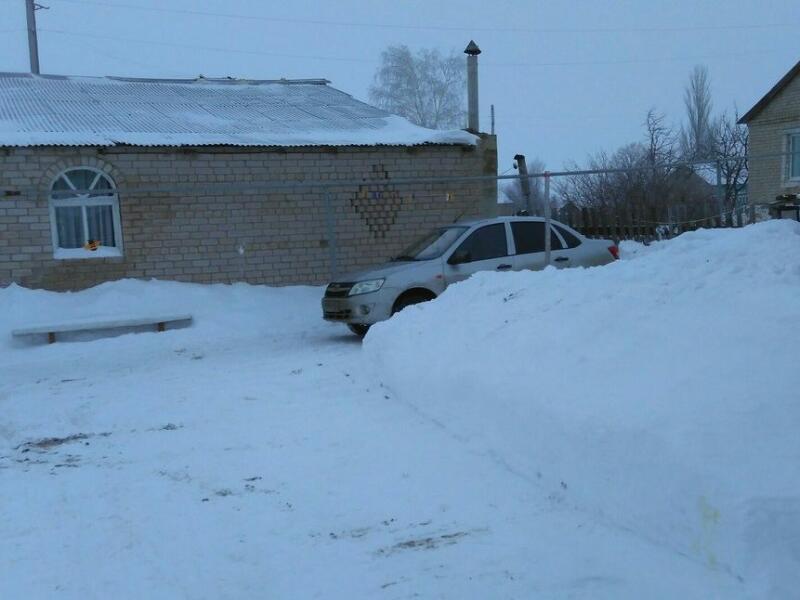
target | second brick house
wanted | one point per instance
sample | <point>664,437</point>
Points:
<point>774,127</point>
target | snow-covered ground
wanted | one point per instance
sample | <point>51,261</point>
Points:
<point>627,431</point>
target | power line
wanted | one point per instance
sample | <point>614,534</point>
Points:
<point>575,63</point>
<point>126,60</point>
<point>329,23</point>
<point>199,47</point>
<point>632,61</point>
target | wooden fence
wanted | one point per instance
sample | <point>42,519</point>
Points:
<point>646,223</point>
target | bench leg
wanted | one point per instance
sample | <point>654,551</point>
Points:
<point>160,327</point>
<point>51,338</point>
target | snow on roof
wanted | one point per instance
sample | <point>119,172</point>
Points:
<point>39,110</point>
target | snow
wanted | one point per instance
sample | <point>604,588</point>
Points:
<point>661,390</point>
<point>629,249</point>
<point>152,112</point>
<point>82,253</point>
<point>389,130</point>
<point>590,433</point>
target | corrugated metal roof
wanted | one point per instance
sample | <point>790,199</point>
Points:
<point>38,110</point>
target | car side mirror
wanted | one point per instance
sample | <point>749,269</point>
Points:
<point>459,256</point>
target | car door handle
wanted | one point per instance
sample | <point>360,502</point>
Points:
<point>503,267</point>
<point>561,259</point>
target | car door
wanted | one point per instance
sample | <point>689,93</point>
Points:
<point>529,245</point>
<point>560,256</point>
<point>569,253</point>
<point>485,249</point>
<point>529,242</point>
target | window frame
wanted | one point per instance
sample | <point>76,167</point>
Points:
<point>555,234</point>
<point>83,201</point>
<point>558,227</point>
<point>470,232</point>
<point>788,178</point>
<point>517,251</point>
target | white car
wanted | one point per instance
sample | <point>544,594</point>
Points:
<point>452,253</point>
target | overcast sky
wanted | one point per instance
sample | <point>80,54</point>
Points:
<point>567,78</point>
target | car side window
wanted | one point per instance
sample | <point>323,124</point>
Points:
<point>555,241</point>
<point>483,244</point>
<point>529,236</point>
<point>569,238</point>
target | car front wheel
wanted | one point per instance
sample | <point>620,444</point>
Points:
<point>409,299</point>
<point>359,329</point>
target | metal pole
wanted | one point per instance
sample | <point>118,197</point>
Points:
<point>33,44</point>
<point>720,199</point>
<point>492,119</point>
<point>331,223</point>
<point>546,219</point>
<point>524,181</point>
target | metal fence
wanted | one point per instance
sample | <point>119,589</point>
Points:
<point>348,223</point>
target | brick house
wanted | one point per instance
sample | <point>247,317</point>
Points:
<point>774,128</point>
<point>211,180</point>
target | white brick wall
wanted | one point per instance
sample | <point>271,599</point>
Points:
<point>194,236</point>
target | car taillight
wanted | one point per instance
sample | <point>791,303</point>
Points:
<point>614,252</point>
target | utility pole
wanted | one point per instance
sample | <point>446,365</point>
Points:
<point>33,43</point>
<point>547,218</point>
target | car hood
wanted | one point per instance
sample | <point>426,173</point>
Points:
<point>379,271</point>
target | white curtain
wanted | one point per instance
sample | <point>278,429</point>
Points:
<point>69,222</point>
<point>101,224</point>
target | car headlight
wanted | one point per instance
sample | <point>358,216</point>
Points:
<point>365,287</point>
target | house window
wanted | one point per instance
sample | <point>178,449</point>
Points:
<point>793,159</point>
<point>84,215</point>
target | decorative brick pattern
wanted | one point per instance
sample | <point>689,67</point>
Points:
<point>378,205</point>
<point>197,236</point>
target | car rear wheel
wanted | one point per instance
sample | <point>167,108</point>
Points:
<point>359,329</point>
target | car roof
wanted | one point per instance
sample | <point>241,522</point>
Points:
<point>471,222</point>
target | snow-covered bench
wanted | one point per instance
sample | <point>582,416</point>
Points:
<point>159,321</point>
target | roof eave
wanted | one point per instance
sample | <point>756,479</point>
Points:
<point>234,145</point>
<point>776,89</point>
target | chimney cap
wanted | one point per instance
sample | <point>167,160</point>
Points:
<point>472,49</point>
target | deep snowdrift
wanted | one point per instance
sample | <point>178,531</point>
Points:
<point>658,393</point>
<point>252,456</point>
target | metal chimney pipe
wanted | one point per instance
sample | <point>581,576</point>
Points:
<point>472,52</point>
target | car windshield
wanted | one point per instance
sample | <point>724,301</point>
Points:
<point>433,244</point>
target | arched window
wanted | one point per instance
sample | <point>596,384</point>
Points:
<point>84,215</point>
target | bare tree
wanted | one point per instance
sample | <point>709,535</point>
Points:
<point>638,176</point>
<point>730,151</point>
<point>661,150</point>
<point>646,175</point>
<point>623,181</point>
<point>660,139</point>
<point>427,88</point>
<point>696,138</point>
<point>513,189</point>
